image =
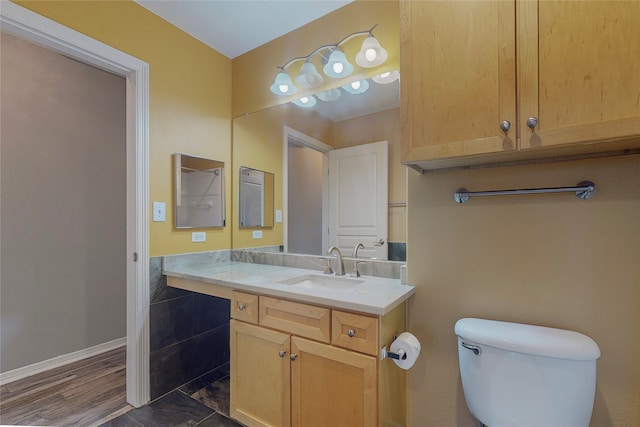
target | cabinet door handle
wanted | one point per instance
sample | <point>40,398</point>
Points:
<point>240,307</point>
<point>505,126</point>
<point>293,356</point>
<point>532,122</point>
<point>281,353</point>
<point>351,333</point>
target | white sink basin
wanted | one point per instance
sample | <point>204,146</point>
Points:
<point>317,281</point>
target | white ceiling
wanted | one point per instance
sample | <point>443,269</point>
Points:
<point>233,27</point>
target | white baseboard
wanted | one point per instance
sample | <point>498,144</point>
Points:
<point>45,365</point>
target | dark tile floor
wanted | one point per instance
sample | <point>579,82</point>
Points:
<point>204,402</point>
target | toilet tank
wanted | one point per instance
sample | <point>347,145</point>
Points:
<point>523,375</point>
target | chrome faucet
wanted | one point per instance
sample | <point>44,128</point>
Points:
<point>355,250</point>
<point>340,263</point>
<point>355,272</point>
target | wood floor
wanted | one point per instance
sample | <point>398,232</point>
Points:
<point>84,393</point>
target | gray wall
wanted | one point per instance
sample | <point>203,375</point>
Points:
<point>305,200</point>
<point>63,272</point>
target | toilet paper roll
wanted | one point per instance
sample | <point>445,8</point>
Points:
<point>409,344</point>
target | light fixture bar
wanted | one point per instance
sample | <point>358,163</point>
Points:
<point>328,46</point>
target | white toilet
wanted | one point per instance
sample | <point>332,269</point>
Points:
<point>524,375</point>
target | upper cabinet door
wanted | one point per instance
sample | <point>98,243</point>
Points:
<point>578,71</point>
<point>458,78</point>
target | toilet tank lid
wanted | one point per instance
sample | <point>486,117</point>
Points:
<point>528,339</point>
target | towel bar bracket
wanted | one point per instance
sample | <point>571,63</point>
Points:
<point>584,190</point>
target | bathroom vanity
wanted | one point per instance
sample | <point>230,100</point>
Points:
<point>305,347</point>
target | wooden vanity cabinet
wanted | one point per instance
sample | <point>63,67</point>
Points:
<point>475,73</point>
<point>260,375</point>
<point>306,365</point>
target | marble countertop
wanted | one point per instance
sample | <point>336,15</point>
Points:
<point>375,295</point>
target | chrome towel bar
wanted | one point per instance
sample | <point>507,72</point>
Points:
<point>584,190</point>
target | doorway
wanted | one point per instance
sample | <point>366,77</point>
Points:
<point>36,29</point>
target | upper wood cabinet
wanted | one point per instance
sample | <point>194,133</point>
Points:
<point>578,71</point>
<point>474,73</point>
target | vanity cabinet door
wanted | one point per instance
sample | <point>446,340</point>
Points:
<point>260,375</point>
<point>578,71</point>
<point>331,386</point>
<point>458,78</point>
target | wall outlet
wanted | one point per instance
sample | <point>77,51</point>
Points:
<point>159,211</point>
<point>198,236</point>
<point>278,215</point>
<point>257,234</point>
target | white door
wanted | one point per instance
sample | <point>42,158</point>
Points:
<point>358,199</point>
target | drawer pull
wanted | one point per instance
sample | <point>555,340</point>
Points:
<point>240,307</point>
<point>351,333</point>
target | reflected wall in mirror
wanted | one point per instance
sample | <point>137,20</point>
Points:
<point>255,198</point>
<point>199,192</point>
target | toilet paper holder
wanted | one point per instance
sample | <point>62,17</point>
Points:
<point>400,355</point>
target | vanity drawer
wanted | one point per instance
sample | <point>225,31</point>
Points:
<point>244,307</point>
<point>355,332</point>
<point>298,319</point>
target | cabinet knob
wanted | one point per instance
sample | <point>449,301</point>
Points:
<point>293,356</point>
<point>240,307</point>
<point>532,122</point>
<point>281,353</point>
<point>505,126</point>
<point>351,333</point>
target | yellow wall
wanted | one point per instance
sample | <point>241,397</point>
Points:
<point>553,260</point>
<point>254,72</point>
<point>258,143</point>
<point>189,95</point>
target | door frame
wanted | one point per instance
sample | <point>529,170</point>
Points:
<point>315,144</point>
<point>25,24</point>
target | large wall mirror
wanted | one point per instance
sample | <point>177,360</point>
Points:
<point>199,192</point>
<point>295,142</point>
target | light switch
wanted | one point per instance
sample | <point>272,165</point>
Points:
<point>278,215</point>
<point>257,234</point>
<point>198,236</point>
<point>159,211</point>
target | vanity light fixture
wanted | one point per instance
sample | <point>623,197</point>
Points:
<point>309,75</point>
<point>329,95</point>
<point>283,85</point>
<point>386,78</point>
<point>336,65</point>
<point>371,53</point>
<point>306,101</point>
<point>357,87</point>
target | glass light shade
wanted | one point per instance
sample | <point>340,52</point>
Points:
<point>357,87</point>
<point>329,95</point>
<point>306,101</point>
<point>283,85</point>
<point>386,78</point>
<point>337,65</point>
<point>371,54</point>
<point>308,76</point>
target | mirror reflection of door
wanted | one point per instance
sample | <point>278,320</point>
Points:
<point>335,209</point>
<point>358,199</point>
